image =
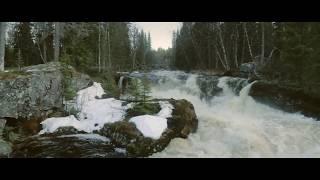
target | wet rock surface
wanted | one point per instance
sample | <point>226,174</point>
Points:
<point>286,98</point>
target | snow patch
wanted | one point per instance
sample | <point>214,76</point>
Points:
<point>150,126</point>
<point>94,113</point>
<point>154,125</point>
<point>52,124</point>
<point>89,94</point>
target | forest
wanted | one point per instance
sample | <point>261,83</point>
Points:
<point>103,89</point>
<point>285,52</point>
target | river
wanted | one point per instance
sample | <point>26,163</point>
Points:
<point>233,124</point>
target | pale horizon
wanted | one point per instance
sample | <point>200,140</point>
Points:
<point>160,32</point>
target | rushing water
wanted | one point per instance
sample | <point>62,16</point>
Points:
<point>232,124</point>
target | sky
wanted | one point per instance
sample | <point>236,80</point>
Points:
<point>161,32</point>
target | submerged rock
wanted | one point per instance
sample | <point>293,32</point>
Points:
<point>285,98</point>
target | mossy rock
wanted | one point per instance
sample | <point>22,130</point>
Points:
<point>143,109</point>
<point>13,75</point>
<point>125,134</point>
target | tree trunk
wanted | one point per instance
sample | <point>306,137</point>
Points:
<point>262,43</point>
<point>99,49</point>
<point>2,44</point>
<point>109,49</point>
<point>247,37</point>
<point>56,41</point>
<point>223,49</point>
<point>45,51</point>
<point>218,54</point>
<point>209,48</point>
<point>243,47</point>
<point>40,52</point>
<point>236,49</point>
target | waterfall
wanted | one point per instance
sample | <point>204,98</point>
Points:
<point>235,125</point>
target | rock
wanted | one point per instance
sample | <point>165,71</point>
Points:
<point>5,148</point>
<point>125,134</point>
<point>51,146</point>
<point>246,69</point>
<point>232,73</point>
<point>2,125</point>
<point>285,98</point>
<point>36,91</point>
<point>184,120</point>
<point>80,81</point>
<point>208,86</point>
<point>124,139</point>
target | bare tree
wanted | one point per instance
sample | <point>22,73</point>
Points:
<point>99,48</point>
<point>247,37</point>
<point>3,26</point>
<point>109,47</point>
<point>134,35</point>
<point>57,29</point>
<point>43,33</point>
<point>223,47</point>
<point>236,46</point>
<point>262,43</point>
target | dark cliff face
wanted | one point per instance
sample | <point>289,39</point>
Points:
<point>285,98</point>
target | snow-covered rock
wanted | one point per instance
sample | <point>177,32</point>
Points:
<point>154,125</point>
<point>93,112</point>
<point>150,126</point>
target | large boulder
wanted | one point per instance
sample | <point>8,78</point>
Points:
<point>125,134</point>
<point>37,91</point>
<point>286,98</point>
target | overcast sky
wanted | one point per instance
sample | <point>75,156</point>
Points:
<point>161,32</point>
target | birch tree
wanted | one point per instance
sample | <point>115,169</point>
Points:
<point>56,39</point>
<point>99,48</point>
<point>262,43</point>
<point>248,41</point>
<point>2,44</point>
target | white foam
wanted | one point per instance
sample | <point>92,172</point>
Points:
<point>238,126</point>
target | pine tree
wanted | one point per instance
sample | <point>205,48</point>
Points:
<point>140,90</point>
<point>23,41</point>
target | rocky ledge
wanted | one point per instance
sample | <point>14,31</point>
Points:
<point>286,98</point>
<point>123,138</point>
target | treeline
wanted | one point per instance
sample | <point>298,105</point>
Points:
<point>88,46</point>
<point>220,45</point>
<point>287,52</point>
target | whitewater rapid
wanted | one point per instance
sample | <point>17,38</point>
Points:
<point>233,125</point>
